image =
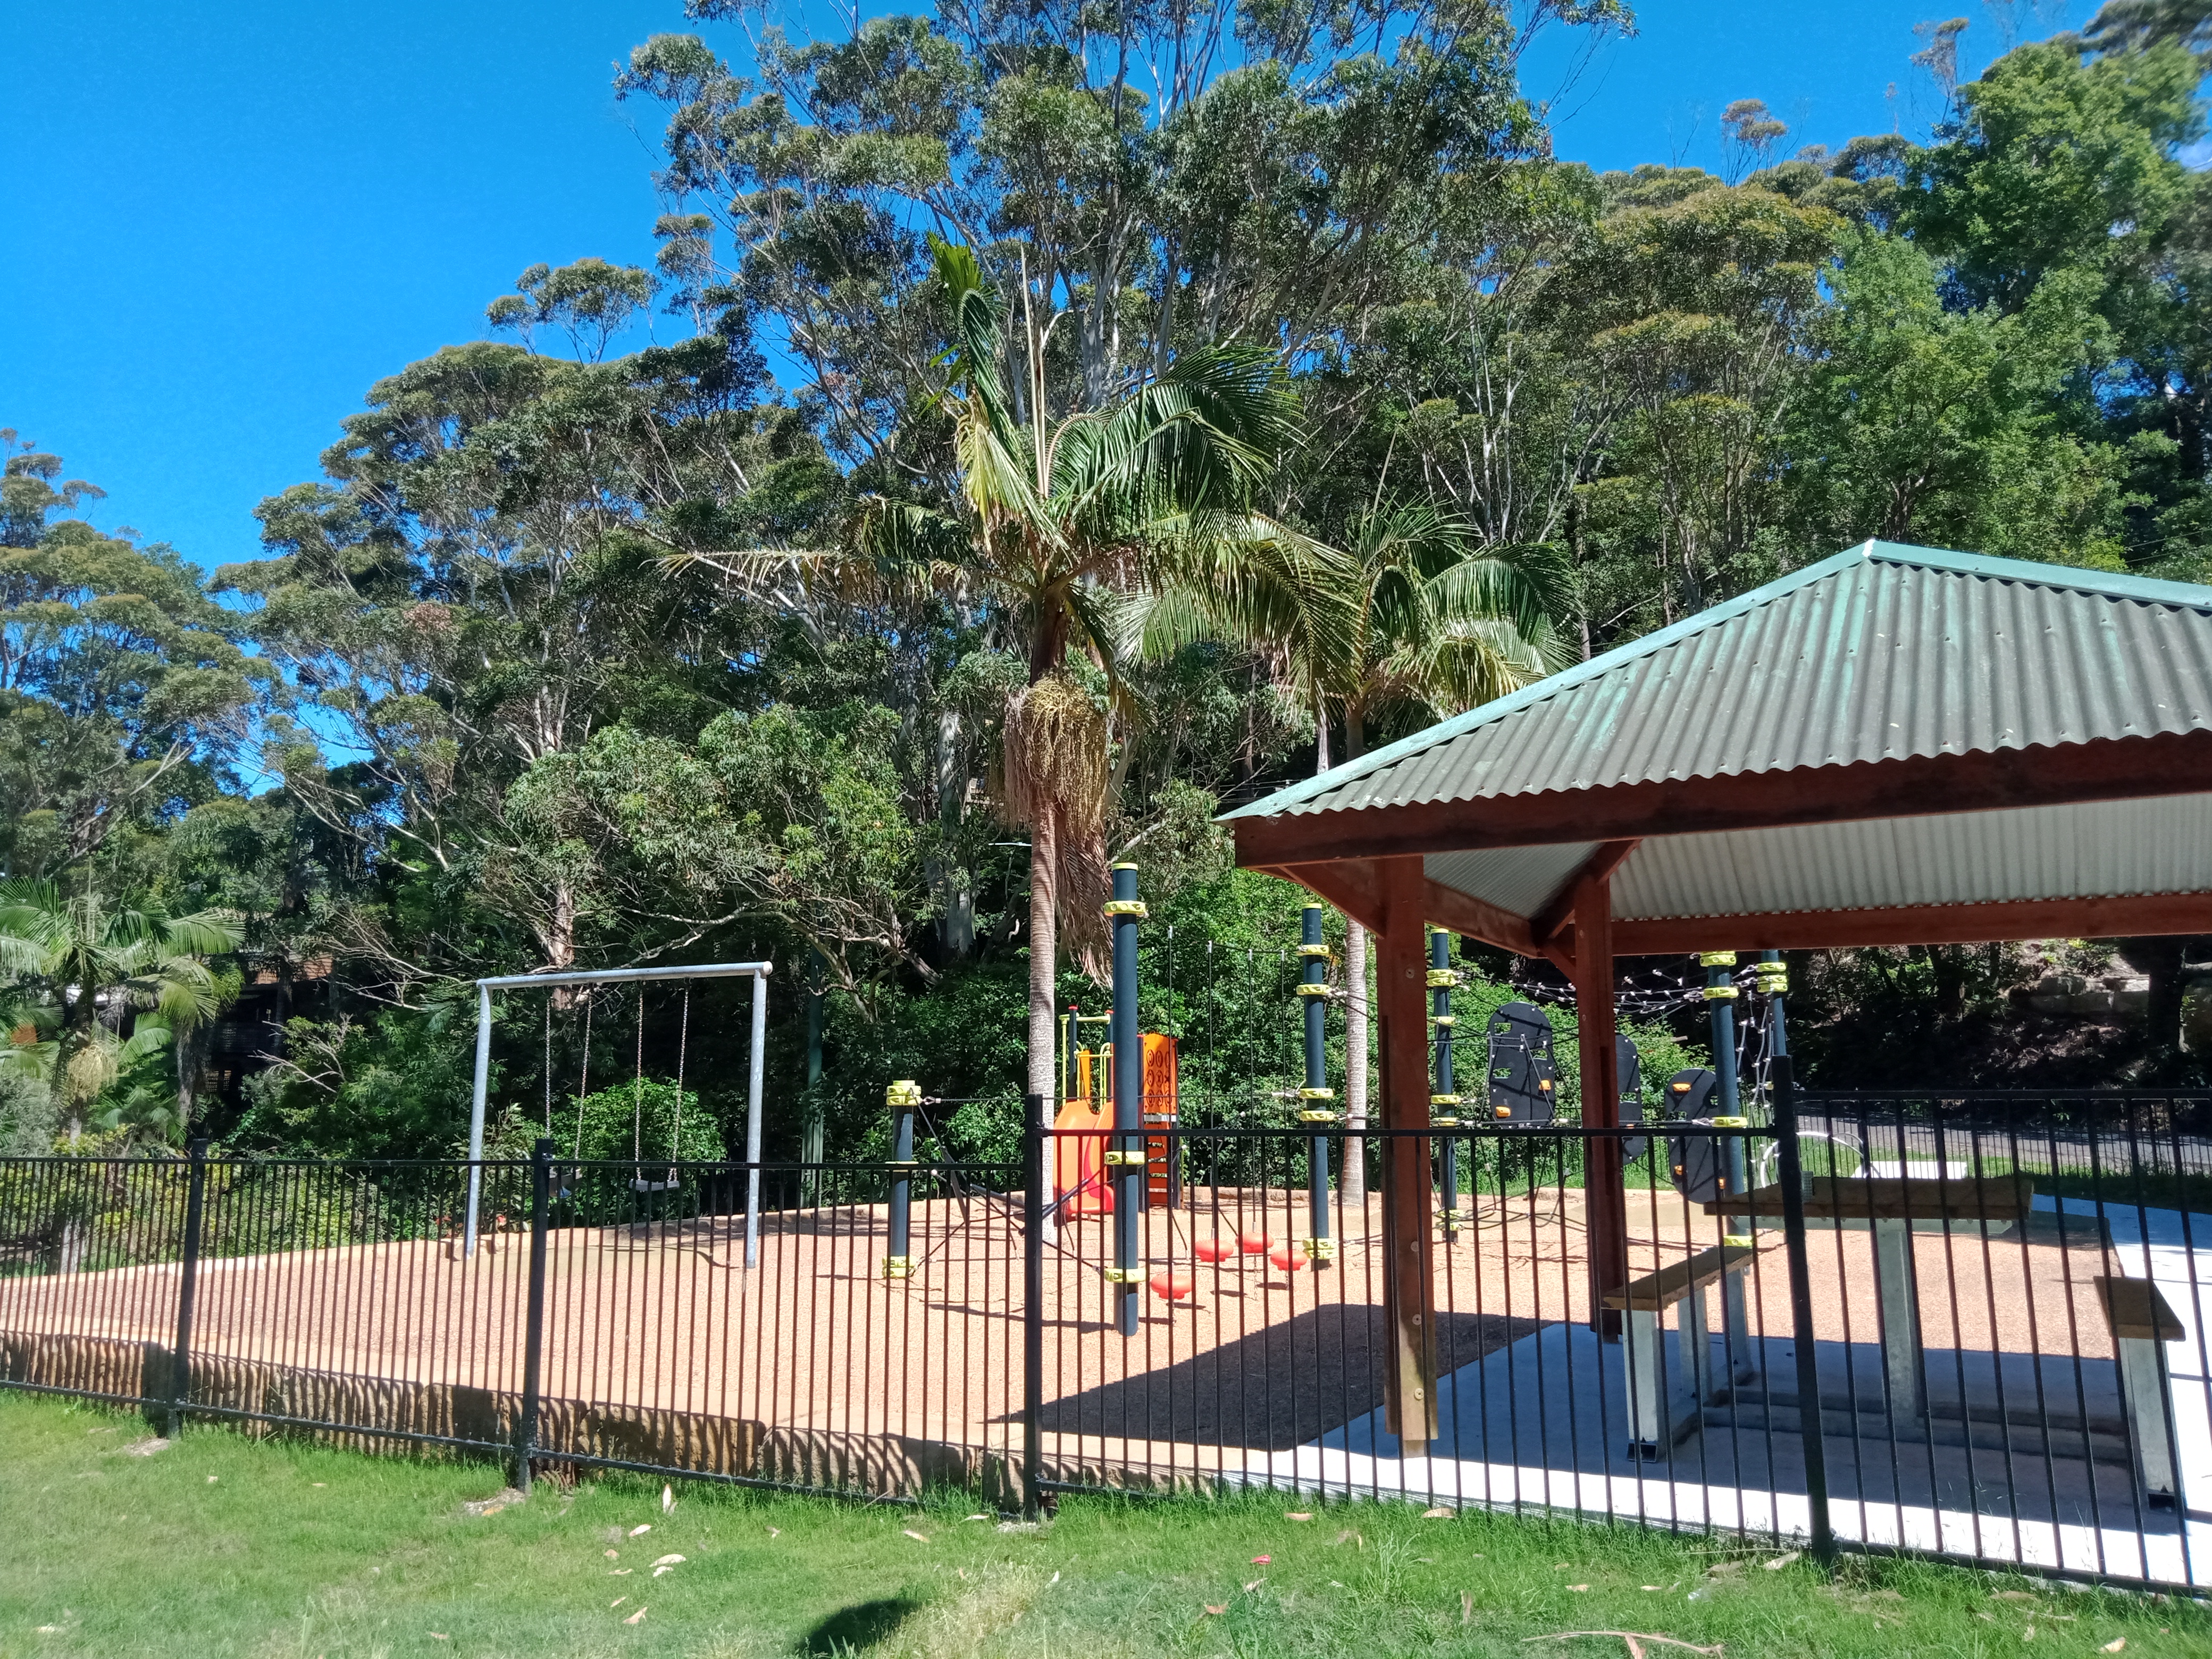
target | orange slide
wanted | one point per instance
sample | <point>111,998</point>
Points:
<point>1078,1164</point>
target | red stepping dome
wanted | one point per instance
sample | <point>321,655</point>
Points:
<point>1173,1286</point>
<point>1288,1257</point>
<point>1212,1249</point>
<point>1253,1244</point>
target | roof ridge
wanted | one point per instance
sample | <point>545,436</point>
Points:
<point>1567,679</point>
<point>2080,578</point>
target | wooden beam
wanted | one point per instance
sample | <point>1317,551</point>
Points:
<point>1922,924</point>
<point>1558,915</point>
<point>1352,885</point>
<point>1355,887</point>
<point>2119,769</point>
<point>1605,1197</point>
<point>1402,975</point>
<point>1471,917</point>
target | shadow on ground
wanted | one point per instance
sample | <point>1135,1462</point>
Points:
<point>850,1630</point>
<point>1278,1388</point>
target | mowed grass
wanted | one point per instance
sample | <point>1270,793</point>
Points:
<point>220,1545</point>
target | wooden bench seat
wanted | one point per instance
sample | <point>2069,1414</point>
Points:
<point>2142,1325</point>
<point>1654,1292</point>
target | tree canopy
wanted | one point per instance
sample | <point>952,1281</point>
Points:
<point>1061,420</point>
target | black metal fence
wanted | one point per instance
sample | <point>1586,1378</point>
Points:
<point>1971,1327</point>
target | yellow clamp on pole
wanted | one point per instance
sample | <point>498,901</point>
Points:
<point>1138,1158</point>
<point>1123,1275</point>
<point>1311,990</point>
<point>897,1266</point>
<point>1125,908</point>
<point>1445,1020</point>
<point>1773,979</point>
<point>1729,1123</point>
<point>1318,1249</point>
<point>1720,993</point>
<point>1443,1100</point>
<point>1313,1114</point>
<point>1737,1241</point>
<point>1442,979</point>
<point>1321,950</point>
<point>1715,958</point>
<point>904,1093</point>
<point>1444,1123</point>
<point>1316,1117</point>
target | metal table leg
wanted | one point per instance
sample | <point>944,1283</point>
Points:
<point>1896,1299</point>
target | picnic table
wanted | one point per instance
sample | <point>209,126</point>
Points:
<point>1893,1208</point>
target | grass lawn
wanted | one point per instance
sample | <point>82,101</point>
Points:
<point>218,1544</point>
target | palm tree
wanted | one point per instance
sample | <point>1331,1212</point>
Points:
<point>72,957</point>
<point>1076,526</point>
<point>1437,626</point>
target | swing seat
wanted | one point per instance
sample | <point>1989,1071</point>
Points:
<point>640,1184</point>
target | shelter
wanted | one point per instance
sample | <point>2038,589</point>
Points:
<point>1895,745</point>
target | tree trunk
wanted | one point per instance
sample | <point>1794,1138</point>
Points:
<point>1044,927</point>
<point>192,1044</point>
<point>956,898</point>
<point>1352,1184</point>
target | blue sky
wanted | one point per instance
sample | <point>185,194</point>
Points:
<point>228,217</point>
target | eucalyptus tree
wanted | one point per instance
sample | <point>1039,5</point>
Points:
<point>1165,175</point>
<point>474,590</point>
<point>123,689</point>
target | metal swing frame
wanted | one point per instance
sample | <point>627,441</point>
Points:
<point>756,971</point>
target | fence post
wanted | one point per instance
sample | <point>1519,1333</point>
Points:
<point>526,1433</point>
<point>1033,1207</point>
<point>188,1277</point>
<point>1791,1171</point>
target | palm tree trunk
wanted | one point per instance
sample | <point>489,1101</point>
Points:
<point>1044,931</point>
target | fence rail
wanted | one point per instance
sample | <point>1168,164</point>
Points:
<point>1970,1326</point>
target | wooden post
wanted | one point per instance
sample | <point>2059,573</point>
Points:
<point>1409,1287</point>
<point>1603,1194</point>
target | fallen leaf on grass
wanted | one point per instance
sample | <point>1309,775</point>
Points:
<point>917,1537</point>
<point>146,1448</point>
<point>668,1561</point>
<point>614,1555</point>
<point>1217,1612</point>
<point>2114,1645</point>
<point>1438,1514</point>
<point>1262,1560</point>
<point>1720,1567</point>
<point>775,1532</point>
<point>621,1572</point>
<point>635,1617</point>
<point>2015,1595</point>
<point>1578,1587</point>
<point>975,1517</point>
<point>440,1636</point>
<point>1253,1585</point>
<point>1635,1638</point>
<point>1295,1516</point>
<point>1781,1561</point>
<point>211,1480</point>
<point>2028,1635</point>
<point>1349,1536</point>
<point>319,1483</point>
<point>1466,1607</point>
<point>668,1499</point>
<point>656,1571</point>
<point>1649,1587</point>
<point>616,1603</point>
<point>640,1532</point>
<point>1050,1581</point>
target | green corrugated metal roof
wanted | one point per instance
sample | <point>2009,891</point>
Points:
<point>1884,652</point>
